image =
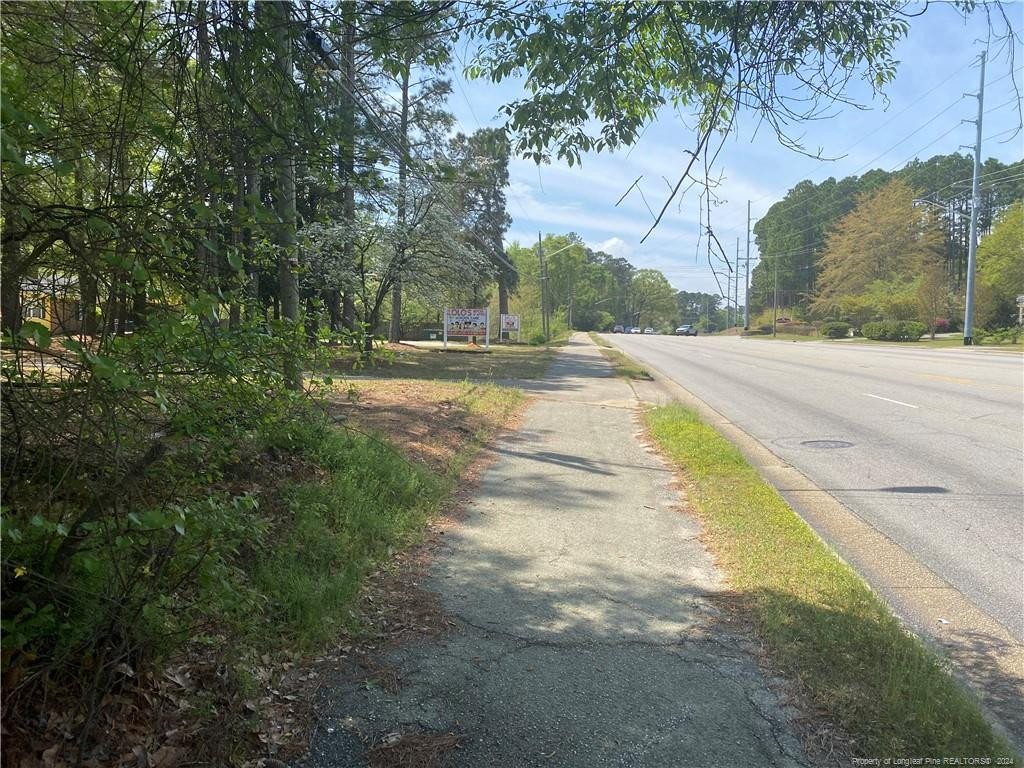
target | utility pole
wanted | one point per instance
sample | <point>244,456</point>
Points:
<point>775,298</point>
<point>972,246</point>
<point>543,288</point>
<point>728,300</point>
<point>746,279</point>
<point>736,287</point>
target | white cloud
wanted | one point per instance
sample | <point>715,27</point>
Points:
<point>616,246</point>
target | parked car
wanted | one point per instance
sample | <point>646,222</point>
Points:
<point>686,330</point>
<point>618,329</point>
<point>635,330</point>
<point>649,330</point>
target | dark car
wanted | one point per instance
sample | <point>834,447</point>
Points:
<point>618,329</point>
<point>686,330</point>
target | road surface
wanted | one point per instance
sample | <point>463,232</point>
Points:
<point>924,445</point>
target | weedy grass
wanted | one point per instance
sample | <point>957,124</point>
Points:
<point>369,499</point>
<point>821,625</point>
<point>623,365</point>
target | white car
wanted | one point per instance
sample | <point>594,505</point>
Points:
<point>649,330</point>
<point>635,330</point>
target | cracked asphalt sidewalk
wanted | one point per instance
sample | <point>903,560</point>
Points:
<point>584,635</point>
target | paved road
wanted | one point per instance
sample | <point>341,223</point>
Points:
<point>935,459</point>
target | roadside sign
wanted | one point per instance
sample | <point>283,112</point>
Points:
<point>508,324</point>
<point>1020,300</point>
<point>467,322</point>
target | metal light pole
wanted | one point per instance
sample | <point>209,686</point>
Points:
<point>543,288</point>
<point>746,280</point>
<point>736,287</point>
<point>972,247</point>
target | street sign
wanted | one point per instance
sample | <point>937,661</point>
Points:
<point>1020,300</point>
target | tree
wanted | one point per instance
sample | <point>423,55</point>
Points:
<point>885,240</point>
<point>1001,267</point>
<point>652,301</point>
<point>934,298</point>
<point>482,161</point>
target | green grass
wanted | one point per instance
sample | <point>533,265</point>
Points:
<point>368,501</point>
<point>365,501</point>
<point>821,625</point>
<point>502,361</point>
<point>623,365</point>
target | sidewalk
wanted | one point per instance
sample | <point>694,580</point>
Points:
<point>579,590</point>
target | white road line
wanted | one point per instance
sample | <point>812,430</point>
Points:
<point>889,400</point>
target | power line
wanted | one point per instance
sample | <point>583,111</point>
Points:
<point>891,120</point>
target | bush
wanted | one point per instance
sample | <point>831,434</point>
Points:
<point>1001,336</point>
<point>940,324</point>
<point>894,330</point>
<point>765,328</point>
<point>835,330</point>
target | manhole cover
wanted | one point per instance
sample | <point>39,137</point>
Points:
<point>826,444</point>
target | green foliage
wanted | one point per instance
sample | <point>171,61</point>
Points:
<point>684,55</point>
<point>893,330</point>
<point>835,330</point>
<point>1001,268</point>
<point>369,503</point>
<point>877,250</point>
<point>999,336</point>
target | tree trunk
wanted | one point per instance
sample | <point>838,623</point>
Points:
<point>206,258</point>
<point>287,261</point>
<point>395,331</point>
<point>502,292</point>
<point>395,334</point>
<point>254,193</point>
<point>87,286</point>
<point>333,301</point>
<point>348,311</point>
<point>347,158</point>
<point>10,298</point>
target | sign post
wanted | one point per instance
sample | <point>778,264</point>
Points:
<point>1020,309</point>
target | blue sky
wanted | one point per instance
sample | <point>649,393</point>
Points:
<point>937,66</point>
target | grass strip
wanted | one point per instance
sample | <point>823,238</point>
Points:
<point>623,365</point>
<point>820,623</point>
<point>364,502</point>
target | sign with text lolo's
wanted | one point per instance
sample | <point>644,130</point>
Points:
<point>467,322</point>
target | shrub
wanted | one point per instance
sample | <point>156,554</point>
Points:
<point>940,324</point>
<point>765,328</point>
<point>835,330</point>
<point>1001,336</point>
<point>894,330</point>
